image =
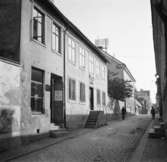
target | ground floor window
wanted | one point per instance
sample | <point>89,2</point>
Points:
<point>72,89</point>
<point>37,90</point>
<point>104,99</point>
<point>98,97</point>
<point>82,92</point>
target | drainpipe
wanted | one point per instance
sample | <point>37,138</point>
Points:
<point>64,63</point>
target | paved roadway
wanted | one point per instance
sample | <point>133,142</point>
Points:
<point>113,143</point>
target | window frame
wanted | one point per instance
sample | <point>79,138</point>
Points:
<point>35,110</point>
<point>91,64</point>
<point>71,96</point>
<point>71,50</point>
<point>82,57</point>
<point>97,65</point>
<point>59,51</point>
<point>43,34</point>
<point>103,98</point>
<point>80,99</point>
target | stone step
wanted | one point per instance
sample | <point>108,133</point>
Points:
<point>54,127</point>
<point>58,133</point>
<point>152,134</point>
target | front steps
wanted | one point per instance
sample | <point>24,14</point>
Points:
<point>95,119</point>
<point>158,131</point>
<point>56,131</point>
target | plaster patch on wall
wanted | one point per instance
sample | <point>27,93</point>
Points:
<point>10,98</point>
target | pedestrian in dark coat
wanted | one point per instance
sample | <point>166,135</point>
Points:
<point>123,113</point>
<point>153,112</point>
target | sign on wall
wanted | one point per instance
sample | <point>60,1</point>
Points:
<point>58,95</point>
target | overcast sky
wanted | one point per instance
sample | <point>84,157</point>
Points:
<point>127,25</point>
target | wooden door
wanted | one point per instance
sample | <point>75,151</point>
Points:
<point>57,111</point>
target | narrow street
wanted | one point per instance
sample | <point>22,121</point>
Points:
<point>113,143</point>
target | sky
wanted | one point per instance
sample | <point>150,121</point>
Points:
<point>127,25</point>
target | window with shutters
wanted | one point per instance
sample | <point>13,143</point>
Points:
<point>82,92</point>
<point>72,89</point>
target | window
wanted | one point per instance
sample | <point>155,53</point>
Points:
<point>82,56</point>
<point>97,67</point>
<point>104,99</point>
<point>103,72</point>
<point>37,90</point>
<point>91,64</point>
<point>98,97</point>
<point>72,89</point>
<point>56,38</point>
<point>71,51</point>
<point>82,92</point>
<point>38,26</point>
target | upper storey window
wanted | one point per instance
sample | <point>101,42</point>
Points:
<point>82,56</point>
<point>38,25</point>
<point>71,51</point>
<point>56,38</point>
<point>91,64</point>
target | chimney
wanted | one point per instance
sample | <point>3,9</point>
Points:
<point>102,44</point>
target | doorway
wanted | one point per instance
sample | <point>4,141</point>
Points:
<point>57,111</point>
<point>91,98</point>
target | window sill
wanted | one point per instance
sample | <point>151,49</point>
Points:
<point>82,103</point>
<point>72,101</point>
<point>83,68</point>
<point>72,63</point>
<point>37,113</point>
<point>38,42</point>
<point>55,52</point>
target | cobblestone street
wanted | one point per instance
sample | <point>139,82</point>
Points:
<point>113,143</point>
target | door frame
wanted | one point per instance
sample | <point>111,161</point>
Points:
<point>54,76</point>
<point>91,103</point>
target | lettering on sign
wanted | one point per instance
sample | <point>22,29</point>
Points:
<point>58,95</point>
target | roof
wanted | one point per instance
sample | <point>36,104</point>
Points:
<point>112,58</point>
<point>70,26</point>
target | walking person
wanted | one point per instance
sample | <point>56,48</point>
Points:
<point>123,113</point>
<point>153,112</point>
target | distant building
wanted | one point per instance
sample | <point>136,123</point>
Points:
<point>117,69</point>
<point>143,96</point>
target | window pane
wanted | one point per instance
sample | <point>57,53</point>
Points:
<point>98,97</point>
<point>53,42</point>
<point>37,90</point>
<point>37,75</point>
<point>82,92</point>
<point>38,25</point>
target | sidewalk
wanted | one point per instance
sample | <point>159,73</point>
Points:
<point>150,149</point>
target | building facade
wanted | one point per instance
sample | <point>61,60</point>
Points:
<point>143,96</point>
<point>159,17</point>
<point>86,81</point>
<point>117,69</point>
<point>52,74</point>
